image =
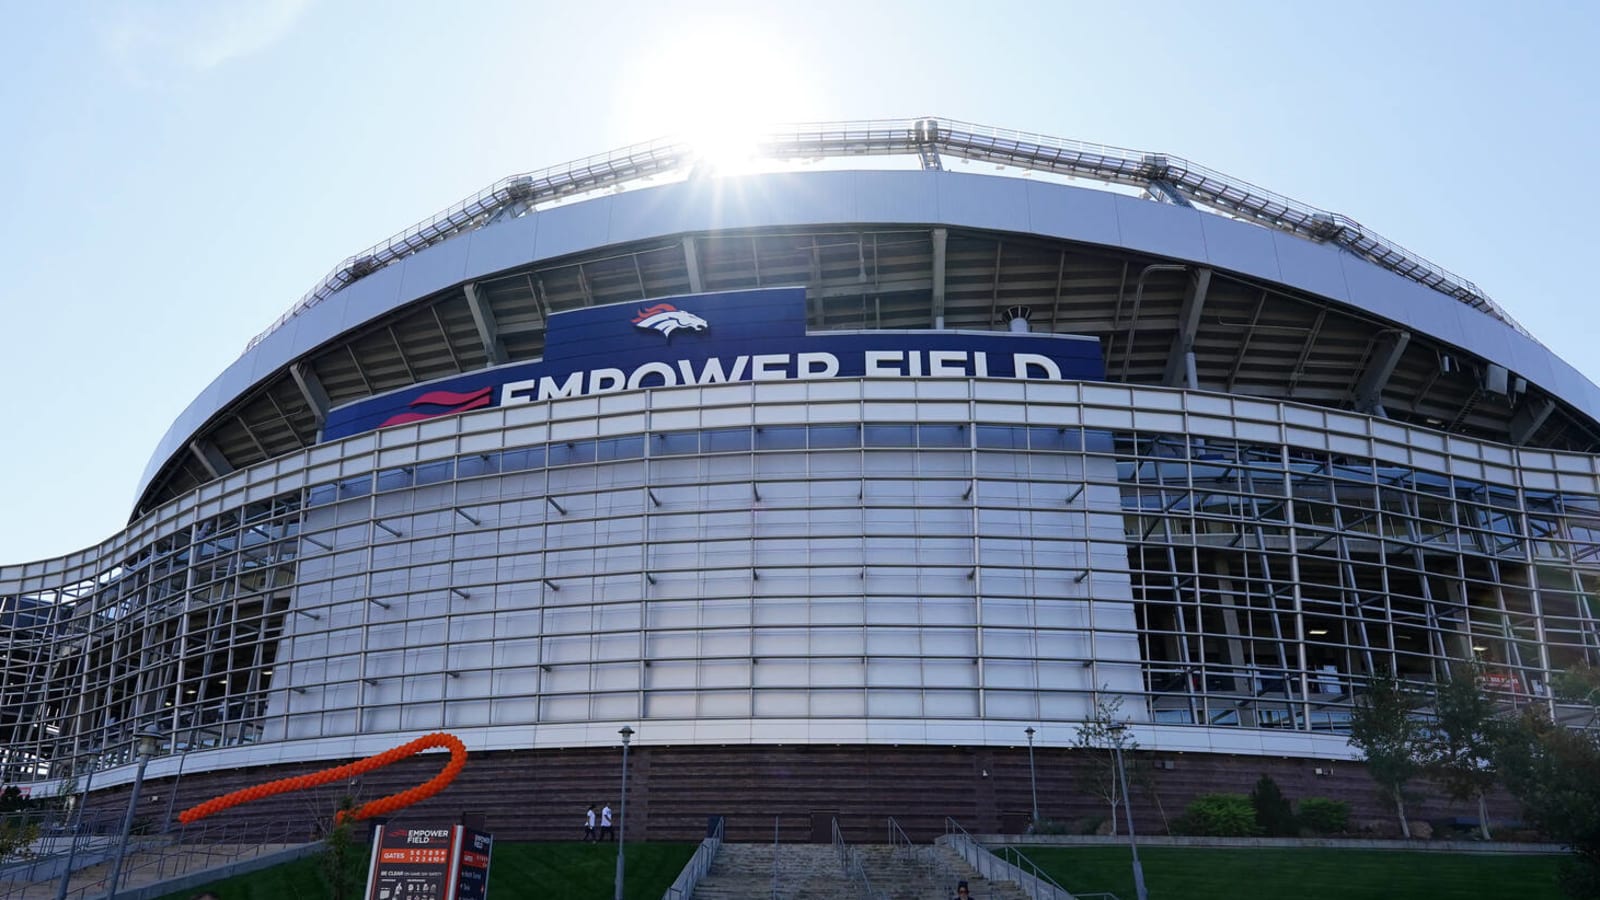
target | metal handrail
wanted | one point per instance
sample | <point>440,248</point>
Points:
<point>925,138</point>
<point>899,841</point>
<point>1014,856</point>
<point>954,829</point>
<point>1031,878</point>
<point>698,865</point>
<point>165,855</point>
<point>850,862</point>
<point>932,864</point>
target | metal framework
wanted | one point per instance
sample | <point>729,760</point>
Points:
<point>928,139</point>
<point>1248,573</point>
<point>1272,497</point>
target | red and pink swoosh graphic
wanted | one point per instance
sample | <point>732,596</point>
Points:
<point>446,403</point>
<point>658,308</point>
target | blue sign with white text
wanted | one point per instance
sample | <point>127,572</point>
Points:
<point>755,335</point>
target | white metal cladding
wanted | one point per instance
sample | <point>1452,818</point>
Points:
<point>950,199</point>
<point>906,561</point>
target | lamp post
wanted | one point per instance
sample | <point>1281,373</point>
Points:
<point>622,809</point>
<point>146,743</point>
<point>1117,729</point>
<point>77,826</point>
<point>1033,778</point>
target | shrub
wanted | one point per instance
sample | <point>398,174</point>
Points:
<point>11,799</point>
<point>1053,826</point>
<point>1273,813</point>
<point>1090,824</point>
<point>1219,815</point>
<point>1324,816</point>
<point>16,838</point>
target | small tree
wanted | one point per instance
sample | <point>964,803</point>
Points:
<point>1579,685</point>
<point>1383,729</point>
<point>1219,815</point>
<point>1457,749</point>
<point>1323,816</point>
<point>1105,732</point>
<point>1555,771</point>
<point>11,799</point>
<point>1274,815</point>
<point>16,837</point>
<point>338,851</point>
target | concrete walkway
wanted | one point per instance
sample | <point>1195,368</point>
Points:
<point>158,869</point>
<point>1023,841</point>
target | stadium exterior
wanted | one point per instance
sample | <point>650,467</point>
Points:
<point>830,481</point>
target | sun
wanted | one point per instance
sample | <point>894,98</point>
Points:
<point>718,85</point>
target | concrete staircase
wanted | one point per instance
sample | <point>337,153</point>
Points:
<point>744,872</point>
<point>930,874</point>
<point>811,872</point>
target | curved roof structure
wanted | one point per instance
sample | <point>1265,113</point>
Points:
<point>1308,305</point>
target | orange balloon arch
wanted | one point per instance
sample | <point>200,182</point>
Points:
<point>379,807</point>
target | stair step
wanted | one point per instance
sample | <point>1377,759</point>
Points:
<point>812,872</point>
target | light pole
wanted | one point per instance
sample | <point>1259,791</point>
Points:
<point>77,826</point>
<point>146,743</point>
<point>1117,729</point>
<point>1033,779</point>
<point>622,808</point>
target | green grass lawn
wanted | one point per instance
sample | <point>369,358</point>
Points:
<point>1193,873</point>
<point>571,870</point>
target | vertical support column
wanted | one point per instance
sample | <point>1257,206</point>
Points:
<point>209,457</point>
<point>1528,419</point>
<point>311,389</point>
<point>488,328</point>
<point>1385,356</point>
<point>941,237</point>
<point>1291,526</point>
<point>1180,369</point>
<point>691,264</point>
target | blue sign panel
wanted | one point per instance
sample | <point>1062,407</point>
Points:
<point>757,335</point>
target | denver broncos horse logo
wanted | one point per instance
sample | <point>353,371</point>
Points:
<point>666,318</point>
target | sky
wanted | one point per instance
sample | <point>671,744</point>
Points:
<point>175,174</point>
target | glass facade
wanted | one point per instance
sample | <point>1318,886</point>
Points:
<point>941,553</point>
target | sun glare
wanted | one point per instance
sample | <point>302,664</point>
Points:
<point>717,85</point>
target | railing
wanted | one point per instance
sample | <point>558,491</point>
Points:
<point>72,863</point>
<point>924,138</point>
<point>933,866</point>
<point>1013,857</point>
<point>850,863</point>
<point>1014,867</point>
<point>900,842</point>
<point>697,867</point>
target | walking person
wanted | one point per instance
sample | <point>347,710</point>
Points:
<point>606,834</point>
<point>588,825</point>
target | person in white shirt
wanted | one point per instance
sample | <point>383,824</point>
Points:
<point>588,825</point>
<point>606,834</point>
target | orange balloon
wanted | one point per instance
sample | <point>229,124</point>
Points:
<point>381,806</point>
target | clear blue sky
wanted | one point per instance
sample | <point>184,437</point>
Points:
<point>175,174</point>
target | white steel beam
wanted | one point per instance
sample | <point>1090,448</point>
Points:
<point>1385,356</point>
<point>488,330</point>
<point>1180,371</point>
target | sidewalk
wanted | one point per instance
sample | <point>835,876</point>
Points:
<point>1414,846</point>
<point>154,870</point>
